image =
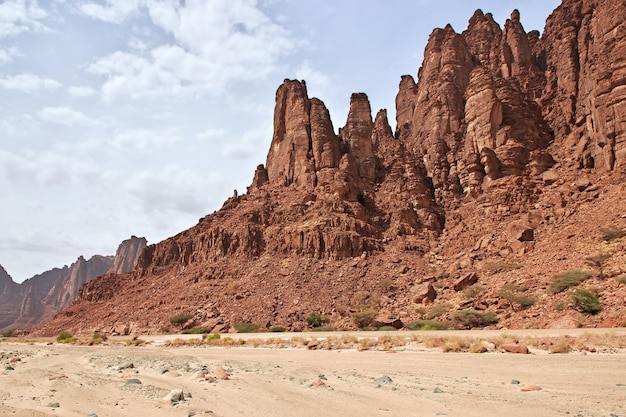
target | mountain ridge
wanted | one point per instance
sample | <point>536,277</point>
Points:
<point>510,149</point>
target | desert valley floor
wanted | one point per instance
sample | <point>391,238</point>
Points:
<point>52,379</point>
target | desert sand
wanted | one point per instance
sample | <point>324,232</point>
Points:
<point>71,380</point>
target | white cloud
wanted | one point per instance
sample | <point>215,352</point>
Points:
<point>7,54</point>
<point>66,117</point>
<point>171,189</point>
<point>211,134</point>
<point>27,83</point>
<point>145,138</point>
<point>81,91</point>
<point>114,11</point>
<point>314,79</point>
<point>17,16</point>
<point>214,43</point>
<point>251,143</point>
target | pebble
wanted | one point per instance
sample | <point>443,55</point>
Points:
<point>133,381</point>
<point>438,390</point>
<point>54,405</point>
<point>515,382</point>
<point>530,387</point>
<point>384,379</point>
<point>174,396</point>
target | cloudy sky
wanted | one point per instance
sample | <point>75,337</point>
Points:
<point>138,117</point>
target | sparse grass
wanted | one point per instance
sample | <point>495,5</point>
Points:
<point>585,301</point>
<point>135,341</point>
<point>365,318</point>
<point>8,333</point>
<point>598,261</point>
<point>246,327</point>
<point>473,291</point>
<point>323,329</point>
<point>498,267</point>
<point>513,293</point>
<point>197,330</point>
<point>437,310</point>
<point>456,344</point>
<point>469,319</point>
<point>562,345</point>
<point>621,279</point>
<point>181,318</point>
<point>278,329</point>
<point>387,329</point>
<point>316,319</point>
<point>564,280</point>
<point>66,337</point>
<point>478,347</point>
<point>612,232</point>
<point>426,325</point>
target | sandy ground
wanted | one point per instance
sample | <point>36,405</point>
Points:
<point>91,380</point>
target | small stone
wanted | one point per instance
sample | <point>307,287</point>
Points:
<point>515,382</point>
<point>54,405</point>
<point>530,387</point>
<point>220,373</point>
<point>92,415</point>
<point>516,348</point>
<point>125,365</point>
<point>199,375</point>
<point>187,395</point>
<point>437,390</point>
<point>384,379</point>
<point>323,377</point>
<point>9,368</point>
<point>132,381</point>
<point>174,396</point>
<point>164,371</point>
<point>191,413</point>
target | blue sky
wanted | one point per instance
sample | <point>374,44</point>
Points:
<point>138,117</point>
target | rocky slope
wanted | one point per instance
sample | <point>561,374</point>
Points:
<point>507,167</point>
<point>38,298</point>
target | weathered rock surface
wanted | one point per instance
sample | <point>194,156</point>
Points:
<point>508,150</point>
<point>40,297</point>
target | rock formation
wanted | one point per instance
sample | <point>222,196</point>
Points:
<point>38,298</point>
<point>508,144</point>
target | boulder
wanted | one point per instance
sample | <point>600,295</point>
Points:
<point>465,281</point>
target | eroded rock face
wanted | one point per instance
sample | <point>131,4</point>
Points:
<point>585,97</point>
<point>494,133</point>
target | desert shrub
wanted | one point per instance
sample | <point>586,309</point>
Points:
<point>211,337</point>
<point>364,300</point>
<point>513,293</point>
<point>385,284</point>
<point>473,291</point>
<point>585,301</point>
<point>437,311</point>
<point>364,319</point>
<point>560,346</point>
<point>386,329</point>
<point>612,232</point>
<point>469,319</point>
<point>456,344</point>
<point>65,337</point>
<point>246,327</point>
<point>478,347</point>
<point>8,333</point>
<point>181,318</point>
<point>621,279</point>
<point>426,325</point>
<point>564,280</point>
<point>317,319</point>
<point>197,330</point>
<point>278,329</point>
<point>420,310</point>
<point>501,266</point>
<point>323,329</point>
<point>598,261</point>
<point>97,336</point>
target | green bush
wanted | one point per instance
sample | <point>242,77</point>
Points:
<point>181,318</point>
<point>316,320</point>
<point>469,319</point>
<point>426,325</point>
<point>278,329</point>
<point>8,333</point>
<point>585,301</point>
<point>98,336</point>
<point>211,337</point>
<point>438,310</point>
<point>65,337</point>
<point>598,261</point>
<point>323,329</point>
<point>197,330</point>
<point>365,318</point>
<point>386,329</point>
<point>246,327</point>
<point>564,280</point>
<point>513,293</point>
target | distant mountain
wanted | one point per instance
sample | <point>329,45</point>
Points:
<point>38,298</point>
<point>507,168</point>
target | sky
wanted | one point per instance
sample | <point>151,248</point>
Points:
<point>139,117</point>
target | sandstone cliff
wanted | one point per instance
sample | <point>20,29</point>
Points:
<point>506,163</point>
<point>38,298</point>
